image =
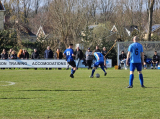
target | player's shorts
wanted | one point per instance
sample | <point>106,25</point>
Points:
<point>72,63</point>
<point>136,65</point>
<point>99,63</point>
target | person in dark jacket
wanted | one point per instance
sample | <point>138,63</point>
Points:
<point>155,60</point>
<point>122,58</point>
<point>26,55</point>
<point>58,55</point>
<point>79,55</point>
<point>10,53</point>
<point>35,55</point>
<point>20,54</point>
<point>13,55</point>
<point>48,54</point>
<point>104,52</point>
<point>4,55</point>
<point>89,58</point>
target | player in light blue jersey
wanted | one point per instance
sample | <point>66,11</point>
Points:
<point>101,60</point>
<point>69,53</point>
<point>135,52</point>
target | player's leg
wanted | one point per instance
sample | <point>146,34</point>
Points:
<point>152,64</point>
<point>145,65</point>
<point>94,68</point>
<point>139,69</point>
<point>131,77</point>
<point>156,65</point>
<point>102,67</point>
<point>73,69</point>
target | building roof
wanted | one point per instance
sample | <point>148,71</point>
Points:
<point>1,7</point>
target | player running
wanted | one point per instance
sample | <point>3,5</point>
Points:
<point>101,60</point>
<point>69,53</point>
<point>135,52</point>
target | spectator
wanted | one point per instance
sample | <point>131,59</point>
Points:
<point>26,54</point>
<point>79,55</point>
<point>104,52</point>
<point>145,64</point>
<point>48,54</point>
<point>97,49</point>
<point>20,54</point>
<point>13,55</point>
<point>122,58</point>
<point>10,53</point>
<point>4,55</point>
<point>35,55</point>
<point>58,54</point>
<point>155,60</point>
<point>89,58</point>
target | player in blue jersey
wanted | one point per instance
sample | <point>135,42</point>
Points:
<point>135,52</point>
<point>101,60</point>
<point>69,53</point>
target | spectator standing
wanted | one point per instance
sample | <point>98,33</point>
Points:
<point>26,55</point>
<point>97,49</point>
<point>48,54</point>
<point>13,55</point>
<point>20,54</point>
<point>4,55</point>
<point>79,55</point>
<point>122,58</point>
<point>89,58</point>
<point>35,55</point>
<point>155,60</point>
<point>104,52</point>
<point>10,53</point>
<point>58,55</point>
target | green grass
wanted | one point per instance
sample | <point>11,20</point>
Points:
<point>44,94</point>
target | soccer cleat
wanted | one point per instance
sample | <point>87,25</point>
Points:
<point>90,76</point>
<point>105,73</point>
<point>71,76</point>
<point>151,67</point>
<point>129,86</point>
<point>142,86</point>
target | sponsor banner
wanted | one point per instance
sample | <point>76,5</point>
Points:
<point>39,63</point>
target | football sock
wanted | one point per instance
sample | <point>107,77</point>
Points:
<point>93,70</point>
<point>103,69</point>
<point>141,79</point>
<point>131,79</point>
<point>72,71</point>
<point>152,64</point>
<point>156,64</point>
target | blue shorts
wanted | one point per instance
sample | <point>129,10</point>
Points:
<point>99,63</point>
<point>136,65</point>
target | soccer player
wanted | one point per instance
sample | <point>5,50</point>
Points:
<point>69,53</point>
<point>101,60</point>
<point>135,52</point>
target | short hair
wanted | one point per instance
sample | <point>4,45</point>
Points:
<point>71,44</point>
<point>135,38</point>
<point>155,51</point>
<point>122,51</point>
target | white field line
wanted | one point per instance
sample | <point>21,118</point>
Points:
<point>9,83</point>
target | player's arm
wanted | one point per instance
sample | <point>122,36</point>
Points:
<point>128,55</point>
<point>97,55</point>
<point>142,56</point>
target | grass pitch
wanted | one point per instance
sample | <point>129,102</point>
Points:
<point>43,94</point>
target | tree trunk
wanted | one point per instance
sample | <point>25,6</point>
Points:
<point>150,14</point>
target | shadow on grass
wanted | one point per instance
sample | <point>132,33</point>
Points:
<point>152,87</point>
<point>15,98</point>
<point>57,90</point>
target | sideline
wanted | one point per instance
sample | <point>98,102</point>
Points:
<point>10,83</point>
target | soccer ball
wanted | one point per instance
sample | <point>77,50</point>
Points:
<point>97,75</point>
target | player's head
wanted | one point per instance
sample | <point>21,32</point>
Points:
<point>155,52</point>
<point>135,39</point>
<point>122,52</point>
<point>70,45</point>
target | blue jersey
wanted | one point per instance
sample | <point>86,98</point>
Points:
<point>68,52</point>
<point>135,49</point>
<point>101,59</point>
